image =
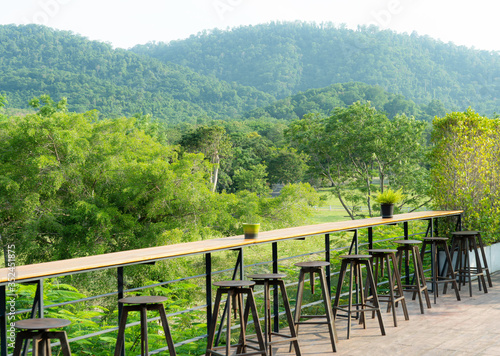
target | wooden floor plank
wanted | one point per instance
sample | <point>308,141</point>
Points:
<point>467,327</point>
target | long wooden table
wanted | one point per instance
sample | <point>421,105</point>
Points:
<point>36,271</point>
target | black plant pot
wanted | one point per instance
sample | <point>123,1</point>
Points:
<point>386,210</point>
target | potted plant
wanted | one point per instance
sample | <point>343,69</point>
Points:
<point>387,199</point>
<point>251,230</point>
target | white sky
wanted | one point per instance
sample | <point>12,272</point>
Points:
<point>125,23</point>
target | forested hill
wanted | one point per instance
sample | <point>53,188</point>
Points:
<point>285,58</point>
<point>324,101</point>
<point>36,60</point>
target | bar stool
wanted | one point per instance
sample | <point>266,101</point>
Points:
<point>420,286</point>
<point>275,279</point>
<point>449,277</point>
<point>235,291</point>
<point>37,330</point>
<point>313,267</point>
<point>393,279</point>
<point>142,304</point>
<point>465,241</point>
<point>355,276</point>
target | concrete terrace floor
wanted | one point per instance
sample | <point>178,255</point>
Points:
<point>467,327</point>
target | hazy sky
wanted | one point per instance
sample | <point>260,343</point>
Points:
<point>125,23</point>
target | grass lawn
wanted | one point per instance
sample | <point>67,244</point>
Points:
<point>330,211</point>
<point>325,215</point>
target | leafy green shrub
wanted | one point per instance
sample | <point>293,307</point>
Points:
<point>465,171</point>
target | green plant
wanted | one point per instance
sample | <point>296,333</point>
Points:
<point>389,196</point>
<point>465,161</point>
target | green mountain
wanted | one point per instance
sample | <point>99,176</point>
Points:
<point>36,60</point>
<point>283,59</point>
<point>240,73</point>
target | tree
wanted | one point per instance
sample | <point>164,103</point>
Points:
<point>249,151</point>
<point>3,101</point>
<point>253,179</point>
<point>309,136</point>
<point>72,185</point>
<point>213,142</point>
<point>399,105</point>
<point>433,109</point>
<point>47,106</point>
<point>359,132</point>
<point>286,166</point>
<point>357,146</point>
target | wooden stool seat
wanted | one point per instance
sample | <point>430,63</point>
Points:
<point>465,233</point>
<point>463,241</point>
<point>437,278</point>
<point>143,300</point>
<point>381,250</point>
<point>41,323</point>
<point>37,331</point>
<point>267,276</point>
<point>312,268</point>
<point>355,257</point>
<point>435,238</point>
<point>354,262</point>
<point>276,279</point>
<point>407,242</point>
<point>396,294</point>
<point>234,284</point>
<point>312,264</point>
<point>142,304</point>
<point>405,248</point>
<point>235,291</point>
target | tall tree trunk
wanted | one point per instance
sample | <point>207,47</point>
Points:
<point>350,212</point>
<point>215,176</point>
<point>368,196</point>
<point>381,176</point>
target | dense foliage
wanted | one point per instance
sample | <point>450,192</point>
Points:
<point>36,60</point>
<point>224,74</point>
<point>359,146</point>
<point>72,185</point>
<point>285,58</point>
<point>466,169</point>
<point>325,100</point>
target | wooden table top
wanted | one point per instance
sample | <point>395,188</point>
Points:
<point>84,264</point>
